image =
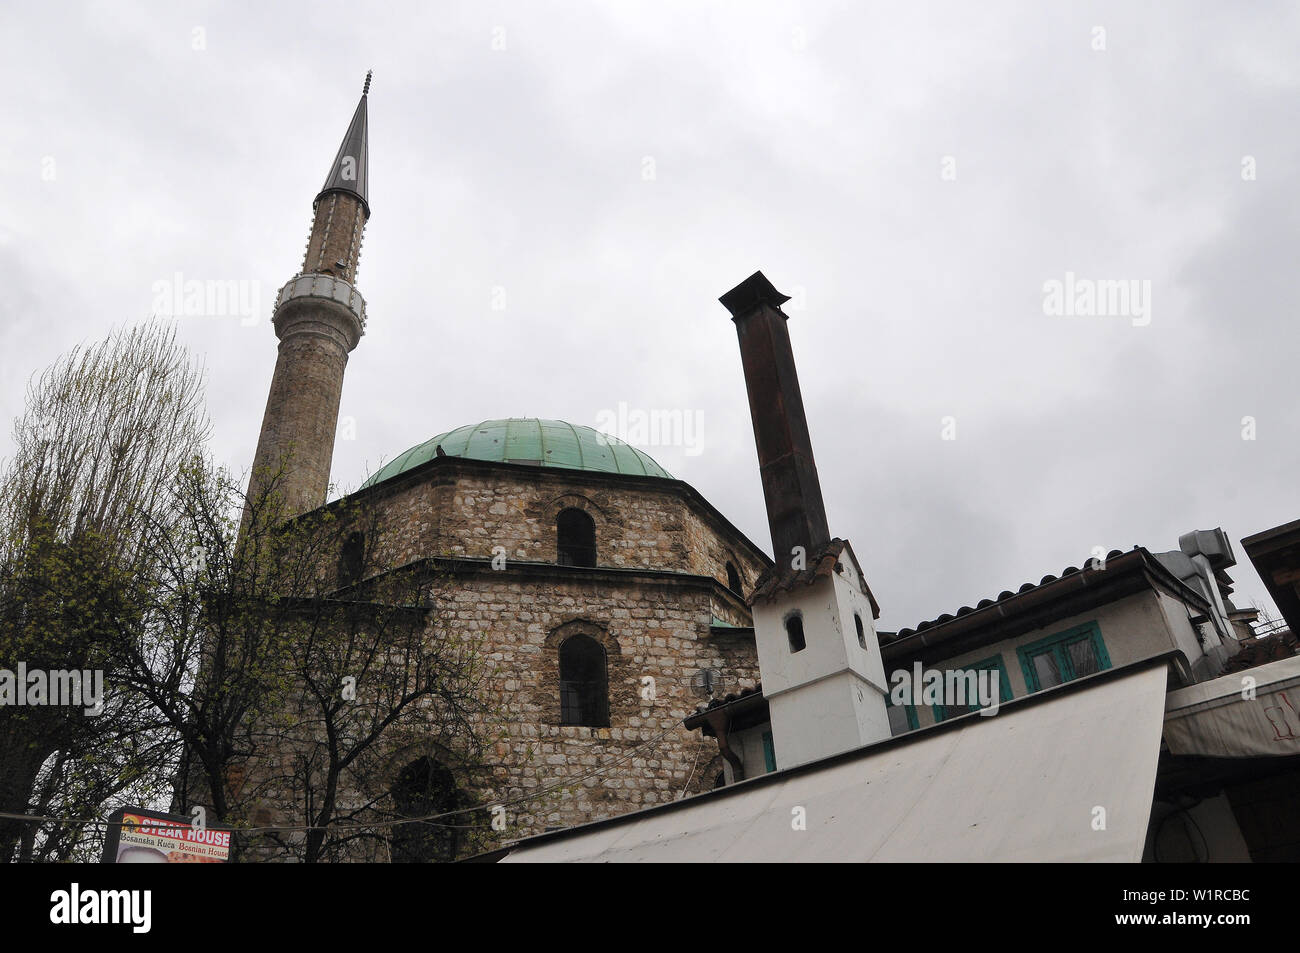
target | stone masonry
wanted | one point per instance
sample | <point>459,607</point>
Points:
<point>652,601</point>
<point>317,332</point>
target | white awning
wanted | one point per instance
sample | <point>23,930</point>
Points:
<point>1067,777</point>
<point>1247,714</point>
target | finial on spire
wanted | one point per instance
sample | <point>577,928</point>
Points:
<point>366,89</point>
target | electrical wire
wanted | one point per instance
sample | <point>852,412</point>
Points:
<point>691,777</point>
<point>379,825</point>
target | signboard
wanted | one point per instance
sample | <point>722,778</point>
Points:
<point>137,835</point>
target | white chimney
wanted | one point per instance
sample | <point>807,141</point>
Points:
<point>828,696</point>
<point>814,617</point>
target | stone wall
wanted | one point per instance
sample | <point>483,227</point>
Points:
<point>659,585</point>
<point>336,233</point>
<point>459,509</point>
<point>302,411</point>
<point>651,628</point>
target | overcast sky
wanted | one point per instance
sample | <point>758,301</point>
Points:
<point>916,173</point>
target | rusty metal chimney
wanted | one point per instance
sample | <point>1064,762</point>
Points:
<point>795,511</point>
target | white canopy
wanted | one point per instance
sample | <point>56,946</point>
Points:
<point>1246,714</point>
<point>1066,777</point>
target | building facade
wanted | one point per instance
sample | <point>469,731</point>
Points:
<point>606,597</point>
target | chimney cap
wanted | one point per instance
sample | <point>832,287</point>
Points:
<point>752,293</point>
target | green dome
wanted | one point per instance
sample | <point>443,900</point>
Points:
<point>528,440</point>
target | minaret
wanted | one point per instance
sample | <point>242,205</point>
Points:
<point>319,318</point>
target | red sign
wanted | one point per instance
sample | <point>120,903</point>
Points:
<point>139,836</point>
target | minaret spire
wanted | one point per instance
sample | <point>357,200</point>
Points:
<point>350,172</point>
<point>319,318</point>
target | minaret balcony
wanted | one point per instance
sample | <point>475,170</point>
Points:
<point>323,286</point>
<point>321,304</point>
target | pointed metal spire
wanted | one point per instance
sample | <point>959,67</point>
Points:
<point>351,169</point>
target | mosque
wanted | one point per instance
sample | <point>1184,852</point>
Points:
<point>616,575</point>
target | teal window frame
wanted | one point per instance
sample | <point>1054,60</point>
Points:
<point>1088,631</point>
<point>769,752</point>
<point>912,721</point>
<point>1004,684</point>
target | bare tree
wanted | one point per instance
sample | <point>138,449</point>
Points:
<point>261,668</point>
<point>103,434</point>
<point>290,663</point>
<point>372,676</point>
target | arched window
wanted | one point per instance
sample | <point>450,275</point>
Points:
<point>862,634</point>
<point>733,578</point>
<point>425,787</point>
<point>584,683</point>
<point>575,534</point>
<point>794,632</point>
<point>352,559</point>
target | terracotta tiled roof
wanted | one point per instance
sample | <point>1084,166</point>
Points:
<point>1002,597</point>
<point>729,698</point>
<point>1261,651</point>
<point>783,578</point>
